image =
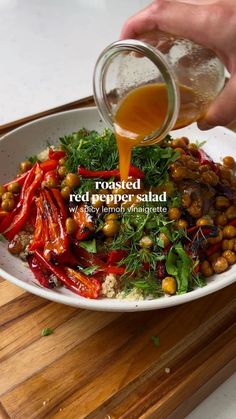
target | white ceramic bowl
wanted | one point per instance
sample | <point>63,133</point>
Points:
<point>30,140</point>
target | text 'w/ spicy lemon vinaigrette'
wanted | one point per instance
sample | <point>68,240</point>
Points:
<point>143,92</point>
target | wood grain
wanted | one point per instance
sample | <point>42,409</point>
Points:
<point>98,365</point>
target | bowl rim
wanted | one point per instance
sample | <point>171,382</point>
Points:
<point>106,304</point>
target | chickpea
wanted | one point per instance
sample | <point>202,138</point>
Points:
<point>146,242</point>
<point>65,192</point>
<point>112,216</point>
<point>174,214</point>
<point>210,177</point>
<point>229,161</point>
<point>62,171</point>
<point>7,195</point>
<point>185,139</point>
<point>15,246</point>
<point>111,228</point>
<point>25,166</point>
<point>181,223</point>
<point>195,209</point>
<point>231,212</point>
<point>206,269</point>
<point>204,221</point>
<point>178,142</point>
<point>96,203</point>
<point>72,180</point>
<point>169,188</point>
<point>164,238</point>
<point>62,161</point>
<point>168,285</point>
<point>229,256</point>
<point>186,200</point>
<point>180,150</point>
<point>71,225</point>
<point>192,164</point>
<point>203,168</point>
<point>221,220</point>
<point>193,148</point>
<point>50,182</point>
<point>8,204</point>
<point>217,239</point>
<point>229,232</point>
<point>13,187</point>
<point>225,173</point>
<point>178,173</point>
<point>2,191</point>
<point>220,265</point>
<point>103,191</point>
<point>222,202</point>
<point>228,244</point>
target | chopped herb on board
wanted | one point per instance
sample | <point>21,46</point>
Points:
<point>47,331</point>
<point>155,340</point>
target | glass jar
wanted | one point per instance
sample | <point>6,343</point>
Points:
<point>192,75</point>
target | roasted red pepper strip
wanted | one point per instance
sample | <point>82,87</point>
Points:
<point>213,249</point>
<point>60,202</point>
<point>19,179</point>
<point>38,240</point>
<point>203,159</point>
<point>21,212</point>
<point>57,242</point>
<point>116,256</point>
<point>84,221</point>
<point>56,154</point>
<point>89,259</point>
<point>107,174</point>
<point>48,165</point>
<point>233,222</point>
<point>116,270</point>
<point>87,287</point>
<point>41,274</point>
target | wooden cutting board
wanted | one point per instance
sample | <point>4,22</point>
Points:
<point>99,365</point>
<point>106,365</point>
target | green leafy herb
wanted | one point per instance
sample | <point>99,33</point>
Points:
<point>90,270</point>
<point>200,144</point>
<point>155,340</point>
<point>33,159</point>
<point>180,265</point>
<point>2,237</point>
<point>89,245</point>
<point>47,331</point>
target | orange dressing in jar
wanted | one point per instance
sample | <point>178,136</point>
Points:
<point>142,111</point>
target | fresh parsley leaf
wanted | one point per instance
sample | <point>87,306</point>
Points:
<point>47,331</point>
<point>90,270</point>
<point>89,245</point>
<point>155,340</point>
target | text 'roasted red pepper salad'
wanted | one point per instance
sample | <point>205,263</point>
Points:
<point>163,232</point>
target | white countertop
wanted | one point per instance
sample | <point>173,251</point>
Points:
<point>48,51</point>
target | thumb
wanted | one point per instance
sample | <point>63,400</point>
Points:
<point>223,109</point>
<point>187,20</point>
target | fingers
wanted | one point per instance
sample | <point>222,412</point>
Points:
<point>223,109</point>
<point>183,19</point>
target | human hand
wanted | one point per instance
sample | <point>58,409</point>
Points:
<point>207,22</point>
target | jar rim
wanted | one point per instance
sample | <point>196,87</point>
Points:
<point>159,60</point>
